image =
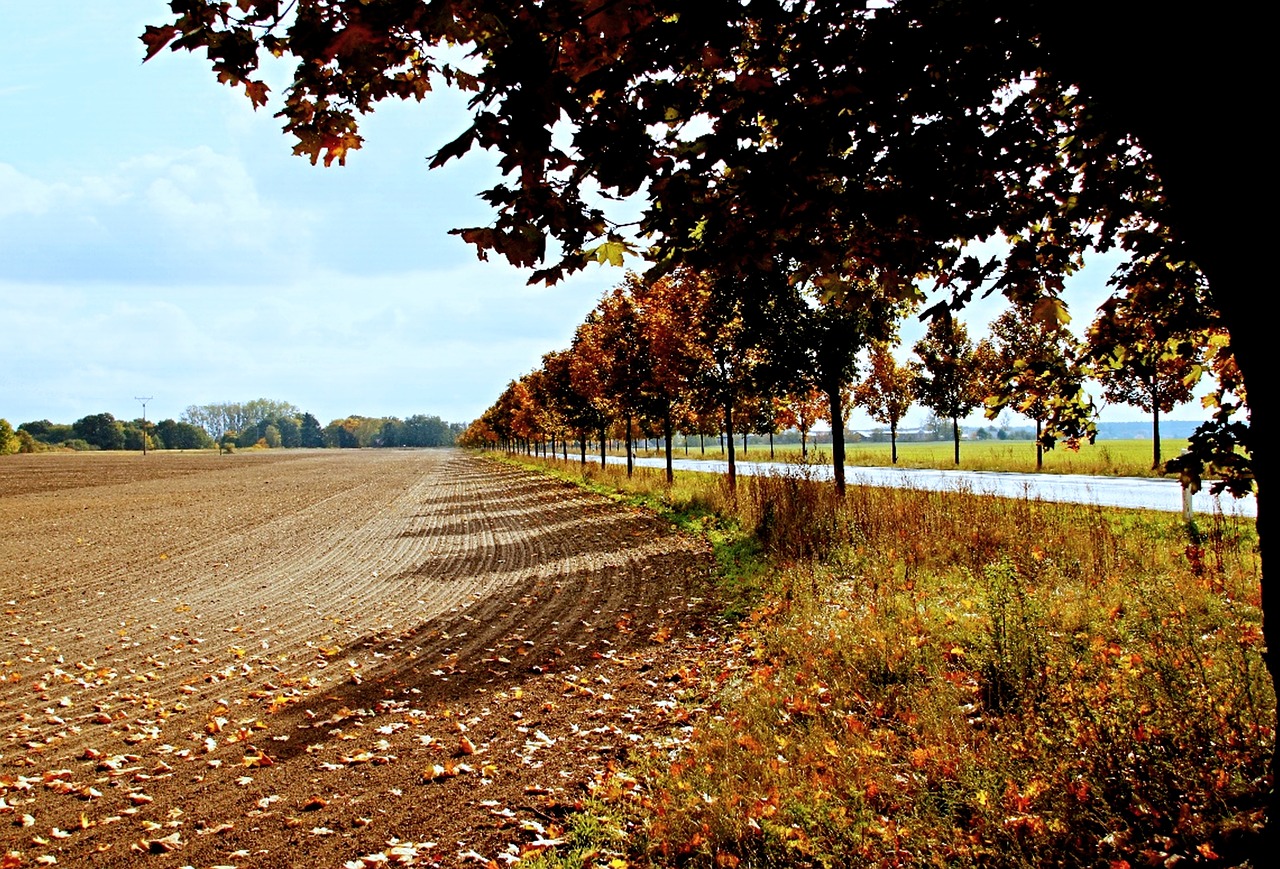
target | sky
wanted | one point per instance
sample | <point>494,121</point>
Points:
<point>159,239</point>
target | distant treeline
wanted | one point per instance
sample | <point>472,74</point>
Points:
<point>261,423</point>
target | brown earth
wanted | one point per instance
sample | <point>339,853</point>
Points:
<point>301,658</point>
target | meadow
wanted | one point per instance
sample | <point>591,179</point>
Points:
<point>949,679</point>
<point>1120,458</point>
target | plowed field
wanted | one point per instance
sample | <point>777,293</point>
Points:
<point>314,658</point>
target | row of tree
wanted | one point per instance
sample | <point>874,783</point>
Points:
<point>679,354</point>
<point>102,431</point>
<point>260,423</point>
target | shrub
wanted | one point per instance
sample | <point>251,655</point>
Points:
<point>8,440</point>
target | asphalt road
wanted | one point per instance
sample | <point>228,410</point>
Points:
<point>1136,492</point>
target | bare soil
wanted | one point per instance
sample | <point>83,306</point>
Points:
<point>318,658</point>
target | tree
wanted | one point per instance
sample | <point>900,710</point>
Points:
<point>137,435</point>
<point>101,430</point>
<point>290,433</point>
<point>947,383</point>
<point>672,310</point>
<point>834,333</point>
<point>614,347</point>
<point>1028,364</point>
<point>888,391</point>
<point>343,433</point>
<point>47,432</point>
<point>182,436</point>
<point>427,431</point>
<point>9,443</point>
<point>1141,362</point>
<point>221,417</point>
<point>801,410</point>
<point>310,434</point>
<point>734,356</point>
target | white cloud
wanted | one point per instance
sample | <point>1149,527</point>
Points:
<point>23,195</point>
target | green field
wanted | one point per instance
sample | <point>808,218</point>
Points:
<point>1117,458</point>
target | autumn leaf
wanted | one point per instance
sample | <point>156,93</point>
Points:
<point>256,91</point>
<point>156,38</point>
<point>1050,313</point>
<point>258,760</point>
<point>612,252</point>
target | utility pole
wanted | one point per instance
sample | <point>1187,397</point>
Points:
<point>144,401</point>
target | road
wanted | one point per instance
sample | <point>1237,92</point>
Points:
<point>1134,492</point>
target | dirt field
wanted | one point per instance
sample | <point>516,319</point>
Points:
<point>303,658</point>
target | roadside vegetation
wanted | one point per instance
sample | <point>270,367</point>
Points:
<point>950,679</point>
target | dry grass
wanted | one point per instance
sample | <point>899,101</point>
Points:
<point>952,679</point>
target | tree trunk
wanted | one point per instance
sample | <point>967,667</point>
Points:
<point>603,445</point>
<point>1039,447</point>
<point>630,460</point>
<point>1155,435</point>
<point>837,435</point>
<point>1138,68</point>
<point>728,428</point>
<point>666,436</point>
<point>770,446</point>
<point>893,440</point>
<point>582,442</point>
<point>804,445</point>
<point>1235,294</point>
<point>955,436</point>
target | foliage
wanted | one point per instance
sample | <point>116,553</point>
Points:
<point>888,390</point>
<point>1143,361</point>
<point>176,435</point>
<point>1029,364</point>
<point>28,444</point>
<point>47,432</point>
<point>947,381</point>
<point>9,443</point>
<point>136,434</point>
<point>221,417</point>
<point>310,434</point>
<point>102,430</point>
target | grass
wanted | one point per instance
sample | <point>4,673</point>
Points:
<point>1121,458</point>
<point>952,679</point>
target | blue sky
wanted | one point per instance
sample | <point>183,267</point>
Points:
<point>158,238</point>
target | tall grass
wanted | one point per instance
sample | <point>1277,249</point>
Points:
<point>962,680</point>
